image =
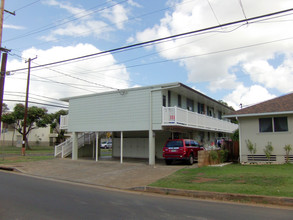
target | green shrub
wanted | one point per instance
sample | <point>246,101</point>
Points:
<point>268,150</point>
<point>251,148</point>
<point>287,149</point>
<point>214,155</point>
<point>223,155</point>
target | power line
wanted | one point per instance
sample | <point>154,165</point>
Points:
<point>38,99</point>
<point>106,26</point>
<point>160,39</point>
<point>214,12</point>
<point>27,5</point>
<point>180,58</point>
<point>69,84</point>
<point>65,21</point>
<point>197,55</point>
<point>80,79</point>
<point>39,103</point>
<point>46,97</point>
<point>242,8</point>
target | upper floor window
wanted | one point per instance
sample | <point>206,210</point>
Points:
<point>200,108</point>
<point>169,98</point>
<point>281,124</point>
<point>179,100</point>
<point>210,111</point>
<point>164,100</point>
<point>220,115</point>
<point>275,124</point>
<point>190,105</point>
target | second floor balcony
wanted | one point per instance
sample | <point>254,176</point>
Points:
<point>63,122</point>
<point>174,116</point>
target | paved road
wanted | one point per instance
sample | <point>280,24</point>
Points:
<point>23,197</point>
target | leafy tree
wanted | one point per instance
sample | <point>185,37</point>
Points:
<point>226,104</point>
<point>36,118</point>
<point>235,135</point>
<point>5,108</point>
<point>55,124</point>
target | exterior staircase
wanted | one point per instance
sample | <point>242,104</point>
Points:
<point>64,149</point>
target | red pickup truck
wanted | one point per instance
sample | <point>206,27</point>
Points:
<point>181,149</point>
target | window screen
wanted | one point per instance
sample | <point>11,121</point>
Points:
<point>280,124</point>
<point>265,125</point>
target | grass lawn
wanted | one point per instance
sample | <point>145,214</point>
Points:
<point>270,180</point>
<point>106,152</point>
<point>13,154</point>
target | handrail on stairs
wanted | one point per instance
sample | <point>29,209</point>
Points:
<point>65,148</point>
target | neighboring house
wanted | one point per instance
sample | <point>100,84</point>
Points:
<point>142,119</point>
<point>37,137</point>
<point>269,121</point>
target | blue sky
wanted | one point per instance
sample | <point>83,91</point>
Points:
<point>244,63</point>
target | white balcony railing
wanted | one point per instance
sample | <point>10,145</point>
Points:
<point>181,117</point>
<point>64,122</point>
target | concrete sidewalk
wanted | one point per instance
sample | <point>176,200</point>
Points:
<point>107,173</point>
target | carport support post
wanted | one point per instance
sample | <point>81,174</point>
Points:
<point>74,146</point>
<point>121,147</point>
<point>97,146</point>
<point>151,147</point>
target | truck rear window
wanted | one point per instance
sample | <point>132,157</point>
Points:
<point>175,144</point>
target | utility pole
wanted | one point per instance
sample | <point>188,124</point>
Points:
<point>2,80</point>
<point>26,106</point>
<point>1,20</point>
<point>2,74</point>
<point>4,59</point>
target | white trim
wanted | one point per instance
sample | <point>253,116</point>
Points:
<point>153,88</point>
<point>240,142</point>
<point>121,147</point>
<point>97,146</point>
<point>258,114</point>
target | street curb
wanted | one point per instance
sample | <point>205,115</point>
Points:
<point>7,168</point>
<point>268,200</point>
<point>256,199</point>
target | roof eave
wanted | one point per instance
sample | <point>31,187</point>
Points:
<point>258,114</point>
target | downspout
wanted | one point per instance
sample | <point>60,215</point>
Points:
<point>240,157</point>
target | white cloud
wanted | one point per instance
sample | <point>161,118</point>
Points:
<point>133,3</point>
<point>247,96</point>
<point>68,7</point>
<point>206,65</point>
<point>83,29</point>
<point>10,26</point>
<point>89,75</point>
<point>86,22</point>
<point>117,15</point>
<point>281,77</point>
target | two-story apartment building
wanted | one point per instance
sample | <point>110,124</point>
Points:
<point>141,119</point>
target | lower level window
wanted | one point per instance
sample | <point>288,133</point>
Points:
<point>281,124</point>
<point>276,124</point>
<point>265,125</point>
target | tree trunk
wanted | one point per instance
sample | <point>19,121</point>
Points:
<point>27,147</point>
<point>12,141</point>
